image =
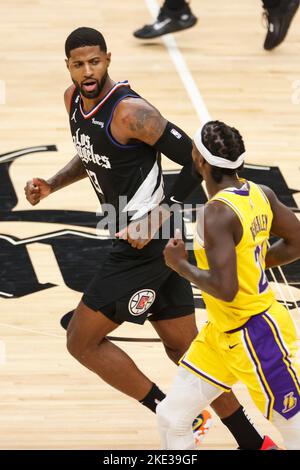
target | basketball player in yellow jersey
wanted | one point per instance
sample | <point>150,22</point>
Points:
<point>249,337</point>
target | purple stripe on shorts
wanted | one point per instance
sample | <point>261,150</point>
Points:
<point>292,370</point>
<point>219,384</point>
<point>276,372</point>
<point>254,360</point>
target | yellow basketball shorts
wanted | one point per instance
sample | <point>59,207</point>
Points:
<point>262,354</point>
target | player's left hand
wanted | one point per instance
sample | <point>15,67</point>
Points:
<point>139,233</point>
<point>136,234</point>
<point>175,252</point>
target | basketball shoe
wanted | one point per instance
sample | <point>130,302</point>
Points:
<point>278,22</point>
<point>201,426</point>
<point>268,444</point>
<point>168,21</point>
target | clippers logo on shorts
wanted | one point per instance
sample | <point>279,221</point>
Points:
<point>141,301</point>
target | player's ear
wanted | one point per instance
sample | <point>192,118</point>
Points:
<point>108,58</point>
<point>67,64</point>
<point>201,161</point>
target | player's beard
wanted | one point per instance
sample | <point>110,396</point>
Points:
<point>95,93</point>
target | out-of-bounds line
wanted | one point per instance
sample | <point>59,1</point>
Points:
<point>111,338</point>
<point>29,330</point>
<point>182,69</point>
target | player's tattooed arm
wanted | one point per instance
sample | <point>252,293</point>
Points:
<point>136,119</point>
<point>72,172</point>
<point>38,188</point>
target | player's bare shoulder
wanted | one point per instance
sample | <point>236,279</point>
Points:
<point>68,97</point>
<point>220,219</point>
<point>140,120</point>
<point>217,213</point>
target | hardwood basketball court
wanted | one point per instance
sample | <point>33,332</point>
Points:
<point>47,399</point>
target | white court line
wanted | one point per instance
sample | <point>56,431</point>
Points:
<point>182,69</point>
<point>37,332</point>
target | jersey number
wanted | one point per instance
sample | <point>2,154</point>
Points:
<point>263,281</point>
<point>94,180</point>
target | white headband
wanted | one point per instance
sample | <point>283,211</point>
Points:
<point>214,160</point>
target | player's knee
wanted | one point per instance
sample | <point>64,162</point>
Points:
<point>77,350</point>
<point>175,353</point>
<point>172,354</point>
<point>73,347</point>
<point>164,415</point>
<point>169,418</point>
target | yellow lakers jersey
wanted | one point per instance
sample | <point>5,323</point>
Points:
<point>254,295</point>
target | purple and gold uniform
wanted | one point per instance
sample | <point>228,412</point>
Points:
<point>253,338</point>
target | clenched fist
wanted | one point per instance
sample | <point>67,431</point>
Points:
<point>36,189</point>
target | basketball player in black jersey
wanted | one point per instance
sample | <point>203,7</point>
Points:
<point>118,137</point>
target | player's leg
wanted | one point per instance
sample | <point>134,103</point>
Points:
<point>177,334</point>
<point>86,342</point>
<point>174,15</point>
<point>188,394</point>
<point>175,323</point>
<point>264,358</point>
<point>279,15</point>
<point>123,290</point>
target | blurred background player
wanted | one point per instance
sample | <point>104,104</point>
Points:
<point>176,15</point>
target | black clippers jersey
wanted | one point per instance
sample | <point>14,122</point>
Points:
<point>127,176</point>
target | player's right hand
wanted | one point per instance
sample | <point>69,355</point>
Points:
<point>36,189</point>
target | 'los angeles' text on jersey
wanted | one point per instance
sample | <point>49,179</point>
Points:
<point>130,173</point>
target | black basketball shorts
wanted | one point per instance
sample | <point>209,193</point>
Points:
<point>133,285</point>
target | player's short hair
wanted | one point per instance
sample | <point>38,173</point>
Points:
<point>223,141</point>
<point>84,36</point>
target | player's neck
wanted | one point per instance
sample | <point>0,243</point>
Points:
<point>89,104</point>
<point>227,182</point>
